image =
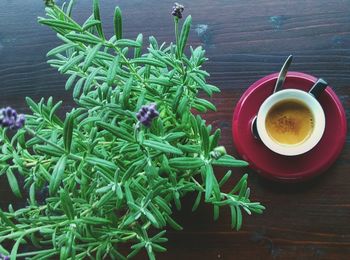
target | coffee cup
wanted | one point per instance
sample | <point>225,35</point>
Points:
<point>291,121</point>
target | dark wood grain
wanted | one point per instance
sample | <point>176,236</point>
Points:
<point>245,40</point>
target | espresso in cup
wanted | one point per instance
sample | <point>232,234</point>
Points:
<point>289,122</point>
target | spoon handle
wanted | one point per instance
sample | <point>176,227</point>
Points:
<point>283,73</point>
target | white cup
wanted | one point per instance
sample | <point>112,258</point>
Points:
<point>311,103</point>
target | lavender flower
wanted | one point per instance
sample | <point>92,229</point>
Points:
<point>4,257</point>
<point>9,118</point>
<point>177,10</point>
<point>146,114</point>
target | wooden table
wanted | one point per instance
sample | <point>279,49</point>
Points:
<point>245,40</point>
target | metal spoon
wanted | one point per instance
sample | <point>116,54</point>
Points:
<point>283,73</point>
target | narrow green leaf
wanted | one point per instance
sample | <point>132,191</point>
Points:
<point>151,218</point>
<point>3,251</point>
<point>96,9</point>
<point>77,88</point>
<point>60,49</point>
<point>163,205</point>
<point>70,81</point>
<point>95,221</point>
<point>112,71</point>
<point>197,201</point>
<point>229,161</point>
<point>57,175</point>
<point>202,84</point>
<point>205,103</point>
<point>213,182</point>
<point>128,194</point>
<point>134,252</point>
<point>91,54</point>
<point>183,106</point>
<point>105,198</point>
<point>54,109</point>
<point>59,24</point>
<point>48,150</point>
<point>13,183</point>
<point>126,92</point>
<point>118,23</point>
<point>163,81</point>
<point>166,148</point>
<point>208,184</point>
<point>177,98</point>
<point>137,51</point>
<point>239,218</point>
<point>148,61</point>
<point>6,220</point>
<point>214,139</point>
<point>242,190</point>
<point>239,184</point>
<point>173,223</point>
<point>150,252</point>
<point>93,160</point>
<point>174,136</point>
<point>70,63</point>
<point>68,131</point>
<point>127,43</point>
<point>233,216</point>
<point>205,139</point>
<point>158,215</point>
<point>216,212</point>
<point>117,131</point>
<point>70,7</point>
<point>32,193</point>
<point>159,55</point>
<point>177,200</point>
<point>32,105</point>
<point>184,34</point>
<point>158,248</point>
<point>153,42</point>
<point>67,204</point>
<point>225,178</point>
<point>89,80</point>
<point>213,88</point>
<point>83,38</point>
<point>90,23</point>
<point>15,248</point>
<point>186,163</point>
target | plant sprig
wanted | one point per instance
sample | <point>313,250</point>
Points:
<point>102,178</point>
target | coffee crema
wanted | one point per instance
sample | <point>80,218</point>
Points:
<point>289,122</point>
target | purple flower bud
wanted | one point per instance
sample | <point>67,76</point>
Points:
<point>21,119</point>
<point>177,10</point>
<point>4,257</point>
<point>9,118</point>
<point>146,114</point>
<point>9,111</point>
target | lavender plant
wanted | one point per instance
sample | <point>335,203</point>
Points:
<point>129,150</point>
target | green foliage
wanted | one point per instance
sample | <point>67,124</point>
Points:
<point>110,179</point>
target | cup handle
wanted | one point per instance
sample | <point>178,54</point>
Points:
<point>319,86</point>
<point>254,128</point>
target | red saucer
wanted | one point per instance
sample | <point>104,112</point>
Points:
<point>288,168</point>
